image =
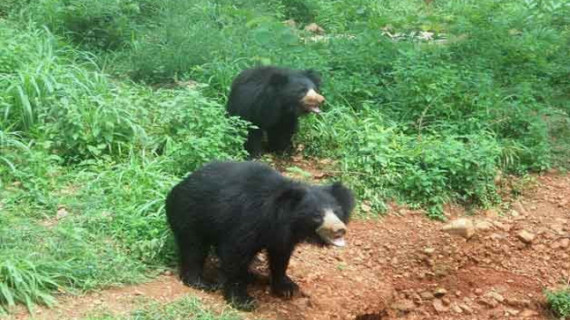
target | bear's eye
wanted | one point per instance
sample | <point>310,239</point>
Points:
<point>317,219</point>
<point>302,90</point>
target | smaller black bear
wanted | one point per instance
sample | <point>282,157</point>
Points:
<point>242,208</point>
<point>273,98</point>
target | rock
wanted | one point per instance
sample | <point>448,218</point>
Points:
<point>512,312</point>
<point>467,309</point>
<point>527,313</point>
<point>502,226</point>
<point>429,251</point>
<point>488,302</point>
<point>515,213</point>
<point>517,303</point>
<point>564,243</point>
<point>525,236</point>
<point>491,213</point>
<point>517,205</point>
<point>403,305</point>
<point>61,213</point>
<point>462,227</point>
<point>478,291</point>
<point>314,28</point>
<point>439,292</point>
<point>482,225</point>
<point>496,296</point>
<point>426,295</point>
<point>456,309</point>
<point>290,23</point>
<point>438,306</point>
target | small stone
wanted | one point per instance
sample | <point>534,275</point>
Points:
<point>496,296</point>
<point>404,305</point>
<point>489,302</point>
<point>467,309</point>
<point>515,213</point>
<point>517,205</point>
<point>512,312</point>
<point>478,291</point>
<point>502,226</point>
<point>438,306</point>
<point>456,309</point>
<point>462,227</point>
<point>439,292</point>
<point>564,243</point>
<point>61,213</point>
<point>527,313</point>
<point>491,213</point>
<point>429,251</point>
<point>314,28</point>
<point>525,236</point>
<point>482,225</point>
<point>518,303</point>
<point>290,23</point>
<point>426,295</point>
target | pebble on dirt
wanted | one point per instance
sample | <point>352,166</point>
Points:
<point>462,227</point>
<point>525,236</point>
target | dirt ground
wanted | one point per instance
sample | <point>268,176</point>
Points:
<point>402,266</point>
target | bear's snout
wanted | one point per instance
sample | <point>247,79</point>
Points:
<point>312,100</point>
<point>332,230</point>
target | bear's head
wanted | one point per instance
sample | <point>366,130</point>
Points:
<point>318,214</point>
<point>299,88</point>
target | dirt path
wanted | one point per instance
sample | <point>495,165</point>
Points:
<point>403,266</point>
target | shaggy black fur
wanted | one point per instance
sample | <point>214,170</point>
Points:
<point>271,98</point>
<point>241,208</point>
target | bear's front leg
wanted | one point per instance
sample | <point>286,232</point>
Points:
<point>235,268</point>
<point>281,284</point>
<point>235,293</point>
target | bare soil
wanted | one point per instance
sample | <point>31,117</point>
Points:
<point>401,266</point>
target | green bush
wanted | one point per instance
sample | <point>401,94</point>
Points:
<point>101,25</point>
<point>381,161</point>
<point>559,302</point>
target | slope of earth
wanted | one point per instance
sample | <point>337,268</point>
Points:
<point>402,266</point>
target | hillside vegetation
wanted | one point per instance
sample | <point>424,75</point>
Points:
<point>105,104</point>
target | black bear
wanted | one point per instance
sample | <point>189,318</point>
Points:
<point>272,99</point>
<point>242,208</point>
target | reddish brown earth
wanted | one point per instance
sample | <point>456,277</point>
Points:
<point>403,266</point>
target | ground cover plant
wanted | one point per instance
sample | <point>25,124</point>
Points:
<point>104,105</point>
<point>559,302</point>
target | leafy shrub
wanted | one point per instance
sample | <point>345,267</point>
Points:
<point>105,24</point>
<point>381,161</point>
<point>559,302</point>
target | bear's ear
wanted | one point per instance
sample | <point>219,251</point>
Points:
<point>290,197</point>
<point>278,79</point>
<point>315,76</point>
<point>344,197</point>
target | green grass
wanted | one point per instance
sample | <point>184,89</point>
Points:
<point>559,302</point>
<point>185,308</point>
<point>97,121</point>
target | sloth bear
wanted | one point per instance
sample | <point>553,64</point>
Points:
<point>272,99</point>
<point>242,208</point>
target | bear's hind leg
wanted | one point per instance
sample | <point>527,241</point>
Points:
<point>280,137</point>
<point>254,143</point>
